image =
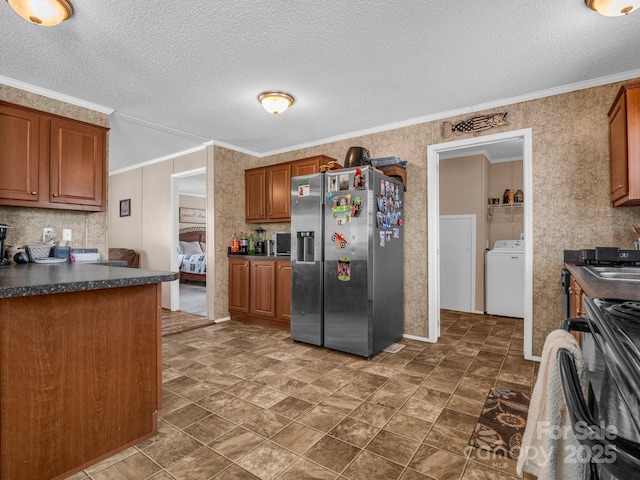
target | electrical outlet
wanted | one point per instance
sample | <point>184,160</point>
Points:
<point>47,234</point>
<point>66,234</point>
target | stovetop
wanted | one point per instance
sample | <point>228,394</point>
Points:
<point>609,256</point>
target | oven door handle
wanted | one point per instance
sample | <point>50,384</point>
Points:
<point>616,454</point>
<point>575,325</point>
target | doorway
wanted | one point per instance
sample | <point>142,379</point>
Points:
<point>190,187</point>
<point>434,154</point>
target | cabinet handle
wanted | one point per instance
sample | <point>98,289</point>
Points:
<point>55,194</point>
<point>34,193</point>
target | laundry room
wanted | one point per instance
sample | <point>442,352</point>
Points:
<point>482,259</point>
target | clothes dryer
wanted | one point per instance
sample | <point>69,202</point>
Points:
<point>504,279</point>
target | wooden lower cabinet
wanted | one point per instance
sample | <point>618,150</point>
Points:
<point>283,290</point>
<point>262,289</point>
<point>260,292</point>
<point>239,285</point>
<point>80,378</point>
<point>576,304</point>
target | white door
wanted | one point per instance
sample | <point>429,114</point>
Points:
<point>457,262</point>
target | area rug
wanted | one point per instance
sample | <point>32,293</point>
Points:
<point>176,322</point>
<point>502,422</point>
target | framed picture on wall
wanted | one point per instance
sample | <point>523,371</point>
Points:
<point>125,207</point>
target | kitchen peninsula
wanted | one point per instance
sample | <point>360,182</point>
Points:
<point>80,365</point>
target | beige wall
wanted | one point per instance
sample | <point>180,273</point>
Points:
<point>89,230</point>
<point>464,184</point>
<point>191,201</point>
<point>148,230</point>
<point>570,195</point>
<point>126,232</point>
<point>507,223</point>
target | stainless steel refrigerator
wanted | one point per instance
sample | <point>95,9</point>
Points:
<point>347,260</point>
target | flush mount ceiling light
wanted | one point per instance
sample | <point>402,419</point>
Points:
<point>275,102</point>
<point>45,13</point>
<point>613,8</point>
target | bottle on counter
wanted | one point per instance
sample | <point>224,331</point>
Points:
<point>235,244</point>
<point>252,245</point>
<point>244,244</point>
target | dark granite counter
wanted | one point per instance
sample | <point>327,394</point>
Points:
<point>44,279</point>
<point>260,257</point>
<point>605,288</point>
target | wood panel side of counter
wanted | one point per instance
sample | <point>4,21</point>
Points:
<point>80,378</point>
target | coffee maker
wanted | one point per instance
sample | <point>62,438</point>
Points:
<point>260,249</point>
<point>3,236</point>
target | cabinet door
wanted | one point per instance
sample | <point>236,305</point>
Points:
<point>618,150</point>
<point>254,196</point>
<point>306,166</point>
<point>283,290</point>
<point>239,285</point>
<point>77,164</point>
<point>263,289</point>
<point>19,154</point>
<point>576,302</point>
<point>279,192</point>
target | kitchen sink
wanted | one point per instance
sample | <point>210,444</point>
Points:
<point>615,273</point>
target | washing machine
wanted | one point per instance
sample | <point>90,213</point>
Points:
<point>504,279</point>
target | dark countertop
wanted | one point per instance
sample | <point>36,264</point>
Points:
<point>44,279</point>
<point>599,287</point>
<point>261,257</point>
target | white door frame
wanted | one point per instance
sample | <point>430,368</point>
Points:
<point>433,211</point>
<point>473,218</point>
<point>175,207</point>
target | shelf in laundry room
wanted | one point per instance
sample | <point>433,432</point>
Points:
<point>505,205</point>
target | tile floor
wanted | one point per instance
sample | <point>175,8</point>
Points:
<point>245,402</point>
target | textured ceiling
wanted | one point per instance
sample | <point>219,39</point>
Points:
<point>189,72</point>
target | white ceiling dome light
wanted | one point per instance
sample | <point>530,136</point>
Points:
<point>275,102</point>
<point>613,8</point>
<point>45,13</point>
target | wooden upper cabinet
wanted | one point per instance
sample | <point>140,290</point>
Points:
<point>268,189</point>
<point>624,137</point>
<point>308,166</point>
<point>77,167</point>
<point>278,189</point>
<point>254,197</point>
<point>19,154</point>
<point>50,161</point>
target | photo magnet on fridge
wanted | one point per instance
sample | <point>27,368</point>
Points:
<point>333,183</point>
<point>344,181</point>
<point>303,188</point>
<point>344,269</point>
<point>358,180</point>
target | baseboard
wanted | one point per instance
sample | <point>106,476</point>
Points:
<point>223,319</point>
<point>415,337</point>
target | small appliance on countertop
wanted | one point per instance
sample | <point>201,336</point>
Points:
<point>282,243</point>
